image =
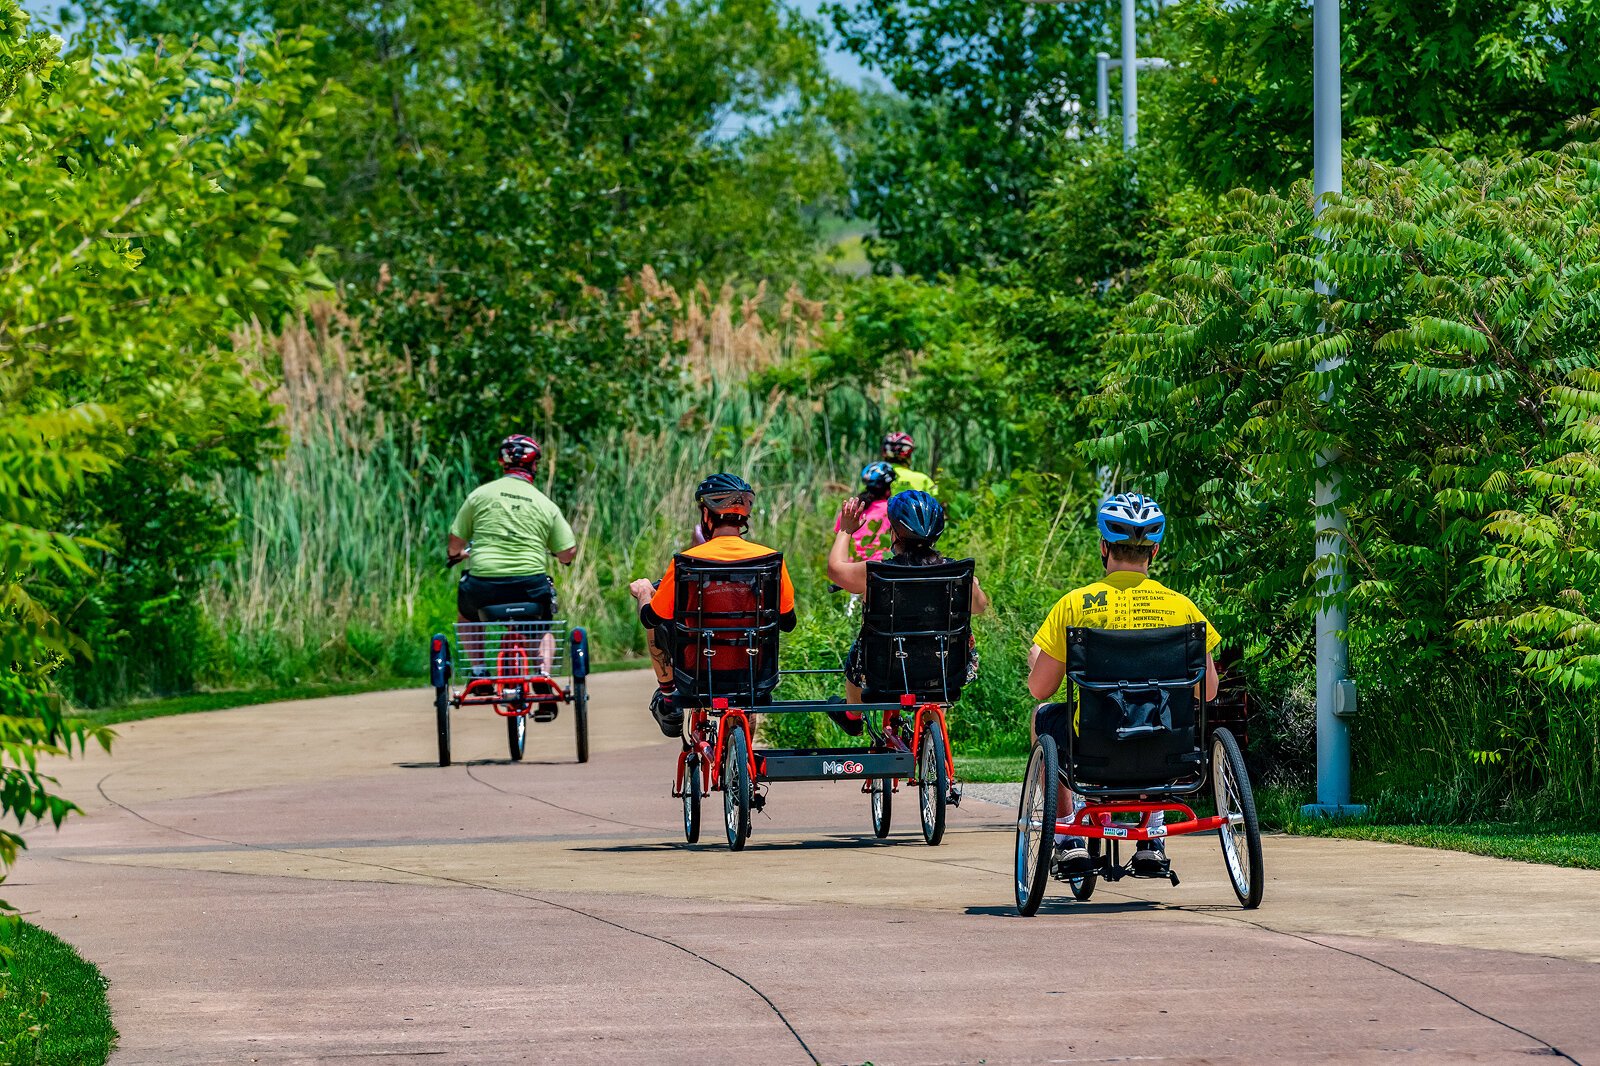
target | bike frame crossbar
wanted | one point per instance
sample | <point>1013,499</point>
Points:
<point>832,764</point>
<point>811,706</point>
<point>1095,822</point>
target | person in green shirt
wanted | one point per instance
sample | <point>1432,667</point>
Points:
<point>512,529</point>
<point>897,449</point>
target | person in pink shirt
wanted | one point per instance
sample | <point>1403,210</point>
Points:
<point>872,539</point>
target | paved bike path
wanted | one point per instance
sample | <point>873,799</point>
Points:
<point>295,883</point>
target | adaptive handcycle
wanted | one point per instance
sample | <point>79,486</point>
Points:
<point>1139,744</point>
<point>723,638</point>
<point>517,659</point>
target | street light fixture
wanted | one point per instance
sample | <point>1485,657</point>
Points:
<point>1103,64</point>
<point>1130,74</point>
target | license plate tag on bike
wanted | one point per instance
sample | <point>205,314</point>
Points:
<point>1114,831</point>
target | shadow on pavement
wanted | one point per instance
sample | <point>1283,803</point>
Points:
<point>1064,906</point>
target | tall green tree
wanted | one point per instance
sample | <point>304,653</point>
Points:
<point>588,138</point>
<point>1465,302</point>
<point>145,205</point>
<point>952,161</point>
<point>1470,77</point>
<point>504,167</point>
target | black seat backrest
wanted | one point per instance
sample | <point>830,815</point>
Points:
<point>725,628</point>
<point>1139,719</point>
<point>915,630</point>
<point>515,612</point>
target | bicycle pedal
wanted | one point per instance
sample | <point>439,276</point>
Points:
<point>954,798</point>
<point>758,803</point>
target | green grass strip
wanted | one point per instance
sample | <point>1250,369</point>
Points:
<point>229,699</point>
<point>1496,840</point>
<point>1001,768</point>
<point>53,1007</point>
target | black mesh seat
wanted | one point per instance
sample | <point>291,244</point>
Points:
<point>724,629</point>
<point>1140,723</point>
<point>916,629</point>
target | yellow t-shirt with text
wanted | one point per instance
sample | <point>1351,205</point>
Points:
<point>1121,600</point>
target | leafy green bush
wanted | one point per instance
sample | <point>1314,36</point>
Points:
<point>1464,310</point>
<point>137,235</point>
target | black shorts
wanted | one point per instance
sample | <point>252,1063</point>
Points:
<point>475,593</point>
<point>1054,720</point>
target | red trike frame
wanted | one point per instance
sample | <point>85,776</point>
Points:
<point>710,750</point>
<point>1094,821</point>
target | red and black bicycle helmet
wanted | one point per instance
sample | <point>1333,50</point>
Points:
<point>726,494</point>
<point>519,452</point>
<point>898,446</point>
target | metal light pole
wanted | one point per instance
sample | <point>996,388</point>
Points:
<point>1104,64</point>
<point>1335,691</point>
<point>1130,79</point>
<point>1102,88</point>
<point>1130,74</point>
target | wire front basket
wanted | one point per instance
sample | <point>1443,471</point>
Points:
<point>513,649</point>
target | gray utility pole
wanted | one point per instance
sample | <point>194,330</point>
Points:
<point>1103,65</point>
<point>1336,696</point>
<point>1130,78</point>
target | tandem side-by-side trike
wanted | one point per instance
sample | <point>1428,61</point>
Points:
<point>916,632</point>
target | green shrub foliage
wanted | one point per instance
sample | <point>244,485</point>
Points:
<point>1465,300</point>
<point>145,218</point>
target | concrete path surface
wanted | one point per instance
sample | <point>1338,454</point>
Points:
<point>299,883</point>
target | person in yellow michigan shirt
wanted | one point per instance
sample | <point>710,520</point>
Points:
<point>1131,529</point>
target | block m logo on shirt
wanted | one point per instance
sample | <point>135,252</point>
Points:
<point>1094,599</point>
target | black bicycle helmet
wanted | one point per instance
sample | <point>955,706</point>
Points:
<point>726,494</point>
<point>917,514</point>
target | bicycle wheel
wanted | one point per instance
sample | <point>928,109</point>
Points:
<point>934,777</point>
<point>517,735</point>
<point>441,711</point>
<point>580,716</point>
<point>1241,837</point>
<point>693,782</point>
<point>1036,826</point>
<point>736,787</point>
<point>882,805</point>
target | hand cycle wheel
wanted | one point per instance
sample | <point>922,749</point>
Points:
<point>441,711</point>
<point>1241,837</point>
<point>882,805</point>
<point>517,735</point>
<point>736,786</point>
<point>580,716</point>
<point>693,783</point>
<point>1083,887</point>
<point>1036,826</point>
<point>933,774</point>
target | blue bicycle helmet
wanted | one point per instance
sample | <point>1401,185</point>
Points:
<point>1131,518</point>
<point>877,475</point>
<point>918,514</point>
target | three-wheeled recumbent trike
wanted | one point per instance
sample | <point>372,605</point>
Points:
<point>520,662</point>
<point>1138,745</point>
<point>723,639</point>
